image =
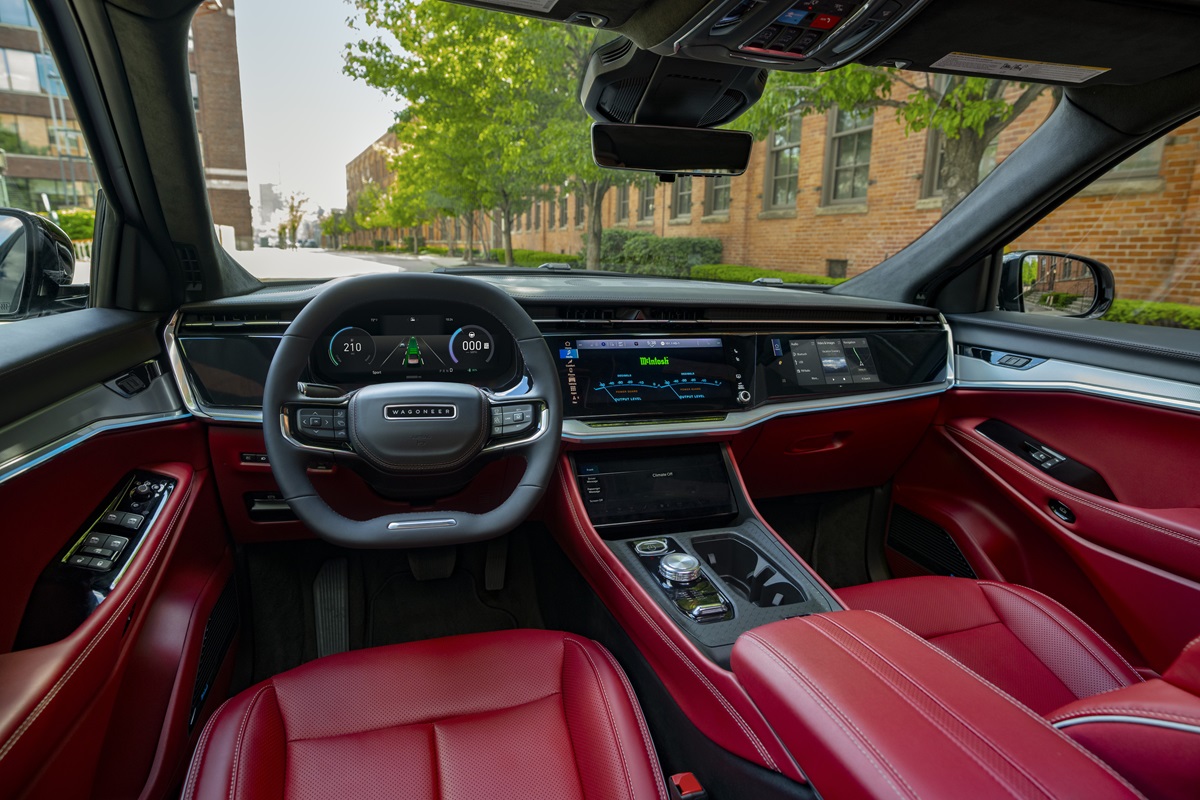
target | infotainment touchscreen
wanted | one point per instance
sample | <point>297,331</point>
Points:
<point>635,375</point>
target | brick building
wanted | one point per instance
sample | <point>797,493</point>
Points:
<point>46,153</point>
<point>371,166</point>
<point>834,194</point>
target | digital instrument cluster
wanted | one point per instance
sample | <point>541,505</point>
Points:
<point>461,345</point>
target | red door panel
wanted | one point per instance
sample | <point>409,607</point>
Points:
<point>1141,552</point>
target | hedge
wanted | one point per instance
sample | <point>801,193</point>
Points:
<point>643,253</point>
<point>535,258</point>
<point>1163,315</point>
<point>733,273</point>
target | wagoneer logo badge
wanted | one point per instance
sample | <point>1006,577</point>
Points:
<point>422,411</point>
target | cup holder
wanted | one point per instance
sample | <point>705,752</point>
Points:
<point>747,572</point>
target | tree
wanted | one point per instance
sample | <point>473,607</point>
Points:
<point>968,113</point>
<point>471,117</point>
<point>335,226</point>
<point>295,214</point>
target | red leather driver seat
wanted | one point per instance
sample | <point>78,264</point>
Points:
<point>1021,641</point>
<point>517,714</point>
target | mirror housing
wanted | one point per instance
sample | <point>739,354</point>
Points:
<point>37,259</point>
<point>1056,284</point>
<point>671,151</point>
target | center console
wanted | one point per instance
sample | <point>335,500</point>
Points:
<point>686,532</point>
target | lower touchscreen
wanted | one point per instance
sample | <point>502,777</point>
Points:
<point>640,375</point>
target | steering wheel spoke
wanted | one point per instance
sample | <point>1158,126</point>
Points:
<point>317,421</point>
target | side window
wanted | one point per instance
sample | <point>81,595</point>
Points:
<point>1138,220</point>
<point>46,175</point>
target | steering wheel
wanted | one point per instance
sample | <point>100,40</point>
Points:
<point>415,428</point>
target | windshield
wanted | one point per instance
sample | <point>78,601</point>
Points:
<point>394,135</point>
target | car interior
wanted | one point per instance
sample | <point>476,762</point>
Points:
<point>409,535</point>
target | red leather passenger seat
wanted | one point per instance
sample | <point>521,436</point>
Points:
<point>516,714</point>
<point>1021,641</point>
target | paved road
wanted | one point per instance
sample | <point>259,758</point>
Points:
<point>274,264</point>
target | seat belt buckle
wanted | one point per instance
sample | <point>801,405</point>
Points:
<point>684,786</point>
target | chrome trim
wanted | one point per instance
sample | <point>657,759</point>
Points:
<point>187,391</point>
<point>578,431</point>
<point>1067,376</point>
<point>422,523</point>
<point>1130,720</point>
<point>757,323</point>
<point>420,405</point>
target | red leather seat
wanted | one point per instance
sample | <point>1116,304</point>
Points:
<point>517,714</point>
<point>1022,641</point>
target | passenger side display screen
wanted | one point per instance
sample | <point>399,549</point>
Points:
<point>645,375</point>
<point>832,361</point>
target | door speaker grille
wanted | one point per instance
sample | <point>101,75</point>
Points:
<point>218,635</point>
<point>923,542</point>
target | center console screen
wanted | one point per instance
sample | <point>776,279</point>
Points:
<point>637,375</point>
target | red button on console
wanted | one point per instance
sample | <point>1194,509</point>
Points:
<point>824,21</point>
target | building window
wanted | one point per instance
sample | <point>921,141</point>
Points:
<point>17,12</point>
<point>935,156</point>
<point>562,209</point>
<point>848,156</point>
<point>623,203</point>
<point>537,216</point>
<point>67,142</point>
<point>681,197</point>
<point>529,218</point>
<point>720,191</point>
<point>783,164</point>
<point>1145,163</point>
<point>195,92</point>
<point>580,208</point>
<point>836,267</point>
<point>20,72</point>
<point>646,199</point>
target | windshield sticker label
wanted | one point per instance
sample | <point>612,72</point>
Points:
<point>541,6</point>
<point>1017,69</point>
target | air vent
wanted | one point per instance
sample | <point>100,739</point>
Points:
<point>924,543</point>
<point>189,259</point>
<point>753,314</point>
<point>620,101</point>
<point>259,321</point>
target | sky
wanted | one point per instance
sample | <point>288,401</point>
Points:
<point>304,118</point>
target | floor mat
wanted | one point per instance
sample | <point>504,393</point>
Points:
<point>403,609</point>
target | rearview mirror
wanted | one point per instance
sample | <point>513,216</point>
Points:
<point>37,259</point>
<point>1055,284</point>
<point>667,150</point>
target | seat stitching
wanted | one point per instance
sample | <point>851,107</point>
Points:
<point>965,746</point>
<point>237,747</point>
<point>637,713</point>
<point>95,640</point>
<point>733,714</point>
<point>1050,612</point>
<point>1126,710</point>
<point>612,723</point>
<point>852,732</point>
<point>194,770</point>
<point>417,723</point>
<point>1067,491</point>
<point>1024,708</point>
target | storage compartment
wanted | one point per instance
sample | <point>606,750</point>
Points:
<point>747,571</point>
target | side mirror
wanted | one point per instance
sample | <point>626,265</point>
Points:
<point>1057,284</point>
<point>37,259</point>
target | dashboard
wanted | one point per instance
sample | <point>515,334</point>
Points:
<point>629,363</point>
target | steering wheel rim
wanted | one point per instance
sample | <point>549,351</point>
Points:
<point>289,457</point>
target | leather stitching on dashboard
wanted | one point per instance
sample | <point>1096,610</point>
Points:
<point>608,713</point>
<point>965,746</point>
<point>741,722</point>
<point>1053,610</point>
<point>1069,491</point>
<point>87,651</point>
<point>1021,706</point>
<point>852,732</point>
<point>641,721</point>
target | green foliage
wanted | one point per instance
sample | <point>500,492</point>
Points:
<point>78,223</point>
<point>535,258</point>
<point>669,256</point>
<point>1057,299</point>
<point>1164,315</point>
<point>733,273</point>
<point>612,247</point>
<point>434,250</point>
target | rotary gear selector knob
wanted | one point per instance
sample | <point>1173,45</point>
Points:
<point>679,567</point>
